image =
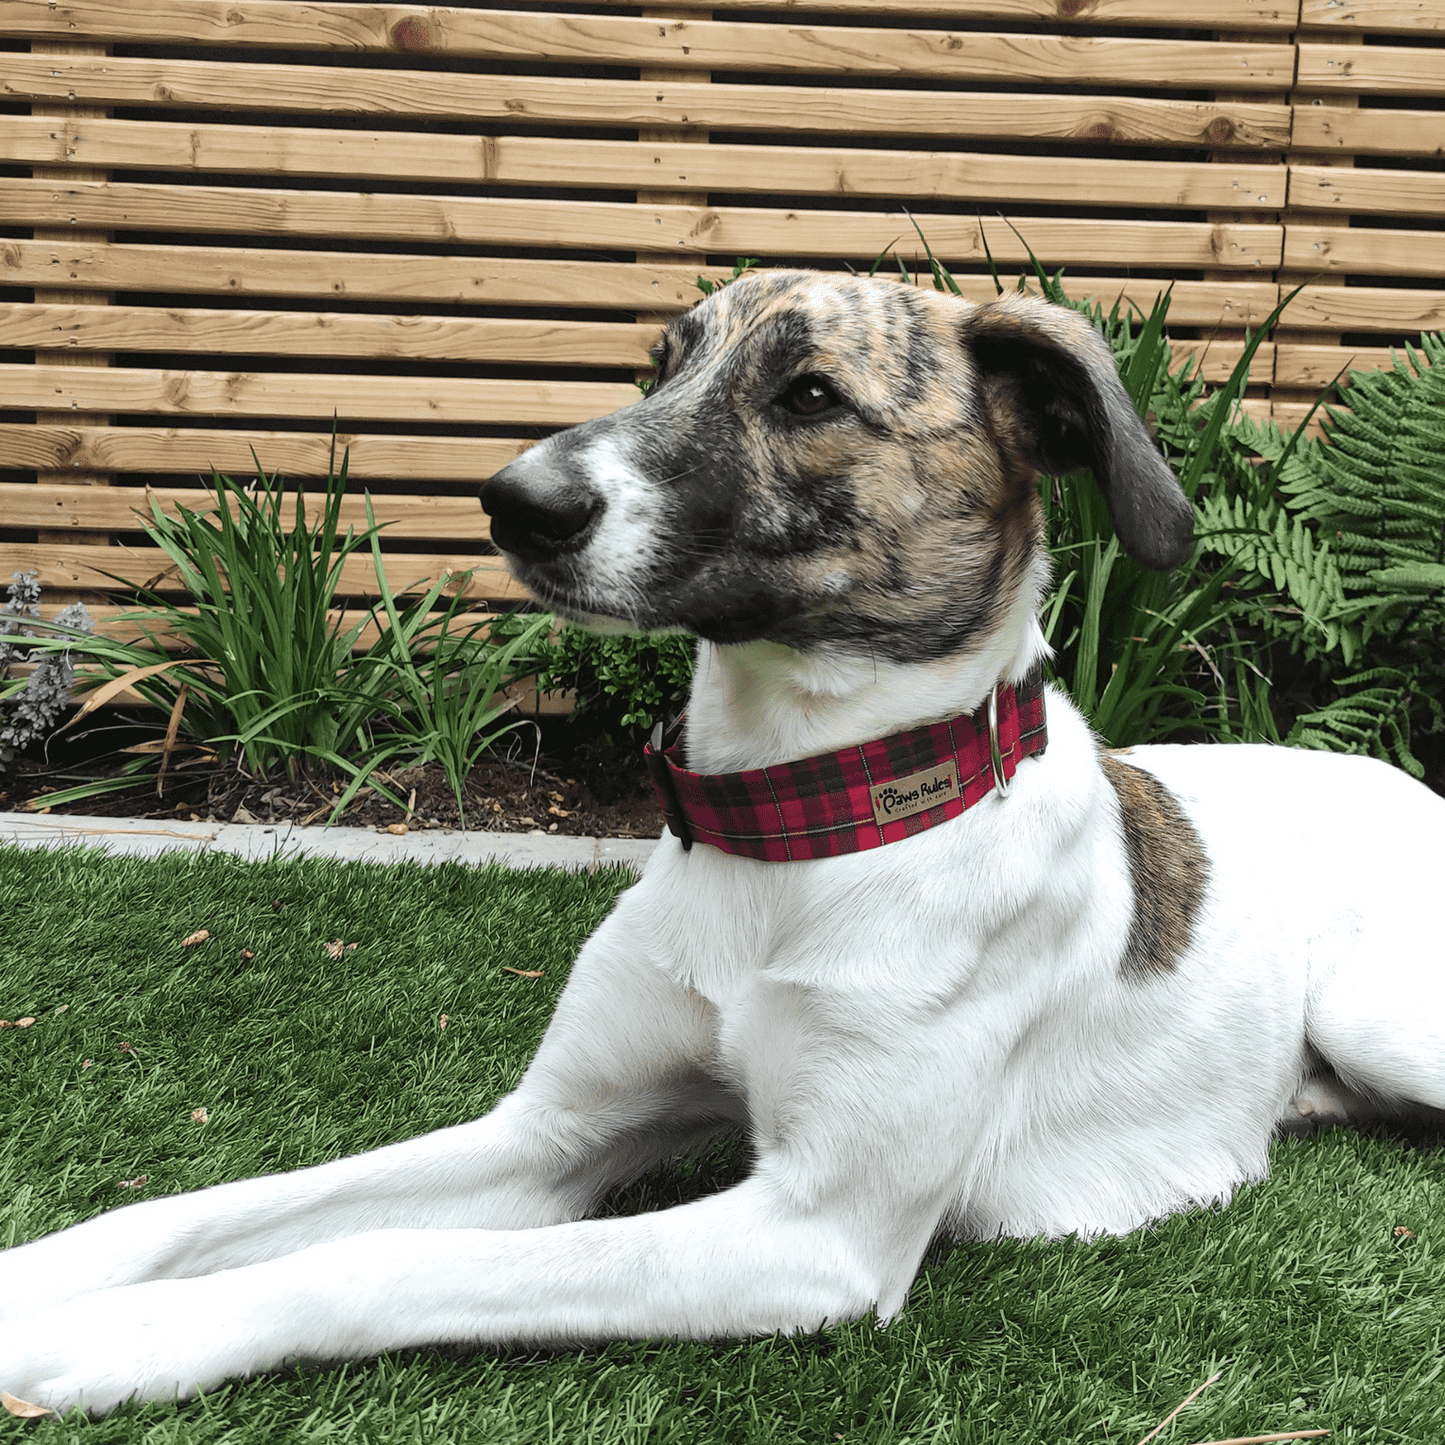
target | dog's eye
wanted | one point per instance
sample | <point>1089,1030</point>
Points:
<point>808,396</point>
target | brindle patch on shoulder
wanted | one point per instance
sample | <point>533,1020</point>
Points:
<point>1168,868</point>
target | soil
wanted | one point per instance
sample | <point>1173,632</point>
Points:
<point>528,792</point>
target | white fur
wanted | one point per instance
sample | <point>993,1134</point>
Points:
<point>932,1035</point>
<point>625,539</point>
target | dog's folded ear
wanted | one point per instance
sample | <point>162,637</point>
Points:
<point>1056,404</point>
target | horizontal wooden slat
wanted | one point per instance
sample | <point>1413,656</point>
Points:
<point>1191,303</point>
<point>321,333</point>
<point>179,450</point>
<point>1263,15</point>
<point>252,271</point>
<point>1094,119</point>
<point>1365,251</point>
<point>755,231</point>
<point>1369,132</point>
<point>1367,308</point>
<point>1217,359</point>
<point>1227,15</point>
<point>1320,365</point>
<point>1367,192</point>
<point>522,693</point>
<point>110,80</point>
<point>1372,69</point>
<point>128,391</point>
<point>244,271</point>
<point>532,160</point>
<point>1382,16</point>
<point>682,44</point>
<point>115,509</point>
<point>1289,415</point>
<point>93,568</point>
<point>118,622</point>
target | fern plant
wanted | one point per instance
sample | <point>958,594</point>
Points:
<point>1376,490</point>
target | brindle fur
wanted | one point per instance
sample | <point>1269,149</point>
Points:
<point>1168,868</point>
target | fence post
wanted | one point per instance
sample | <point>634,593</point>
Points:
<point>663,75</point>
<point>1286,401</point>
<point>1260,392</point>
<point>66,296</point>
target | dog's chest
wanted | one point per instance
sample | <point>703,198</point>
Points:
<point>889,919</point>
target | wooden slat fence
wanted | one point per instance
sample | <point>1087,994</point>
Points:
<point>227,225</point>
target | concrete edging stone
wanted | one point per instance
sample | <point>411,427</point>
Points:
<point>149,837</point>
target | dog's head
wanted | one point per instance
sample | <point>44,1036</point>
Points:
<point>828,459</point>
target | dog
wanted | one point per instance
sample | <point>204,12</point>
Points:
<point>955,968</point>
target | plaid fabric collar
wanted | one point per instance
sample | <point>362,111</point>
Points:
<point>856,798</point>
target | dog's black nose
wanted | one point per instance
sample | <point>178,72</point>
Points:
<point>536,521</point>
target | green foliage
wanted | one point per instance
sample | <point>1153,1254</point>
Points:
<point>624,683</point>
<point>1377,492</point>
<point>262,594</point>
<point>268,677</point>
<point>422,692</point>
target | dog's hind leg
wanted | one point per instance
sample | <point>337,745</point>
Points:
<point>1377,1020</point>
<point>615,1084</point>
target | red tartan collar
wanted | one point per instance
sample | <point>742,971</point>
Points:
<point>856,798</point>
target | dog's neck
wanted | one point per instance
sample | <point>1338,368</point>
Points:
<point>756,704</point>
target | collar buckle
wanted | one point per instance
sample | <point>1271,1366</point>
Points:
<point>663,783</point>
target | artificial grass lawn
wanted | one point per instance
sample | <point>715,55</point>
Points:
<point>1327,1317</point>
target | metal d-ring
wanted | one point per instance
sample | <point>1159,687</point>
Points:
<point>995,755</point>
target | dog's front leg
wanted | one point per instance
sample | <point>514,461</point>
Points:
<point>614,1084</point>
<point>731,1264</point>
<point>831,1223</point>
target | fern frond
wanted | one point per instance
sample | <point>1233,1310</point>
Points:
<point>1374,719</point>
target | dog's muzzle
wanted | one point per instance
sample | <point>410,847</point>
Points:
<point>536,514</point>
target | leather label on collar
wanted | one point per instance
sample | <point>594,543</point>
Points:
<point>916,793</point>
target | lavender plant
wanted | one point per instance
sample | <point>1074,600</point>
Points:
<point>23,605</point>
<point>30,710</point>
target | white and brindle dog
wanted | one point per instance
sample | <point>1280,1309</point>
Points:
<point>1069,1010</point>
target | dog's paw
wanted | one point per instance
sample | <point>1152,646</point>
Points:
<point>123,1246</point>
<point>152,1341</point>
<point>45,1273</point>
<point>1324,1103</point>
<point>36,1279</point>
